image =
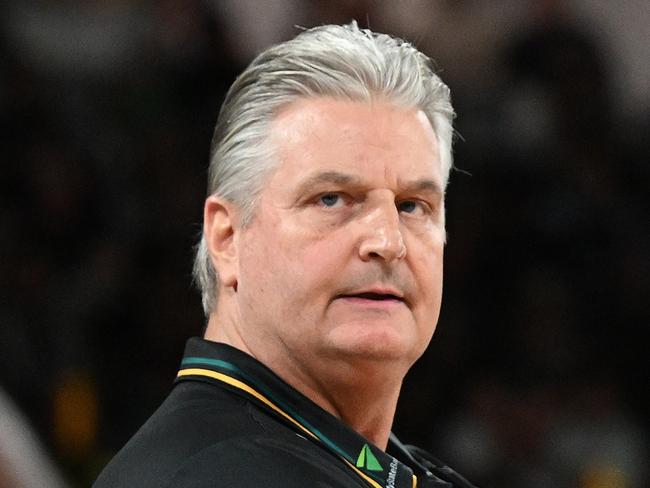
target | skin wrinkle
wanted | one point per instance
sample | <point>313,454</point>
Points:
<point>299,254</point>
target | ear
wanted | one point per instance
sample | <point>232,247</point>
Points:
<point>219,226</point>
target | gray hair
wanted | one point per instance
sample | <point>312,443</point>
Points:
<point>343,62</point>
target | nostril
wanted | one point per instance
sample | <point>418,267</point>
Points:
<point>382,246</point>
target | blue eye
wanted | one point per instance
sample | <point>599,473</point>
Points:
<point>407,206</point>
<point>330,199</point>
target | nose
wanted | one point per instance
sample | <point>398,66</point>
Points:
<point>381,236</point>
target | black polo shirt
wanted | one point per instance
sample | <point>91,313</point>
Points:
<point>231,422</point>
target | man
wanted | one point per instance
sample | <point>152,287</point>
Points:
<point>321,271</point>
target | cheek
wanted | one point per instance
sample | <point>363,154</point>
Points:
<point>322,263</point>
<point>316,244</point>
<point>427,312</point>
<point>322,255</point>
<point>293,260</point>
<point>428,268</point>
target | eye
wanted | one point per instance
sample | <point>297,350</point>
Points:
<point>330,199</point>
<point>410,206</point>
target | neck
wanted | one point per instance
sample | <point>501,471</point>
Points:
<point>362,393</point>
<point>361,397</point>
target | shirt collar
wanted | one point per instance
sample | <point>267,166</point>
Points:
<point>231,368</point>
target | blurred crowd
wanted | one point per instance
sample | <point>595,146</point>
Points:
<point>537,375</point>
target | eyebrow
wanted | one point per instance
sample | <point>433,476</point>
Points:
<point>328,177</point>
<point>339,178</point>
<point>424,184</point>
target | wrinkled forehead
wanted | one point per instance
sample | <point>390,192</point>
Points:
<point>311,133</point>
<point>349,116</point>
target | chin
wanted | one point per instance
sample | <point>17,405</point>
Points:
<point>372,343</point>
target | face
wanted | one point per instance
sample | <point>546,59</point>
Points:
<point>343,259</point>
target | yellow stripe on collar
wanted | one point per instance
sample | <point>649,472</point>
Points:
<point>243,386</point>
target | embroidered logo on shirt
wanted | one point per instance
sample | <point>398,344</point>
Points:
<point>367,460</point>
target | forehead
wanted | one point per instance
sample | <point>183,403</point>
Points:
<point>364,138</point>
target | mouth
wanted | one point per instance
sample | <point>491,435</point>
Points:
<point>377,297</point>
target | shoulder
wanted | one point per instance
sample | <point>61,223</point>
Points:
<point>201,437</point>
<point>193,417</point>
<point>264,461</point>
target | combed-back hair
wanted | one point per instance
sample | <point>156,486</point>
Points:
<point>344,62</point>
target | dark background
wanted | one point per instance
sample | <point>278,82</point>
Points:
<point>537,375</point>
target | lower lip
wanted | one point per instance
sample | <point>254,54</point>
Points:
<point>367,302</point>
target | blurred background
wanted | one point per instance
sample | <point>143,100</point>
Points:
<point>538,373</point>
